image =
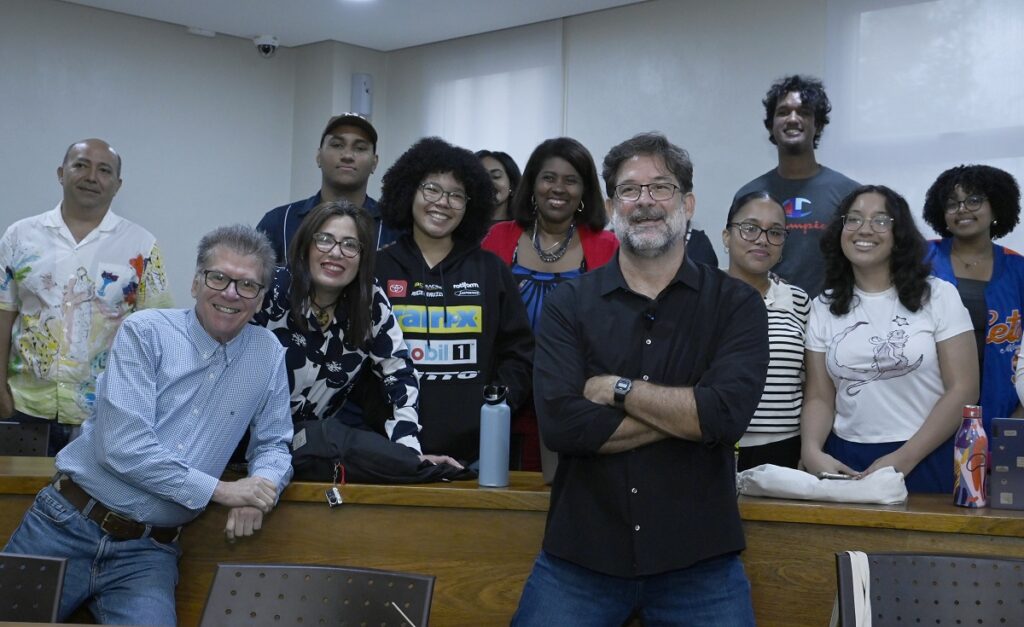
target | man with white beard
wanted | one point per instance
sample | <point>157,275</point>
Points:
<point>646,373</point>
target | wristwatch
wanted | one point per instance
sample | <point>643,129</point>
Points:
<point>622,388</point>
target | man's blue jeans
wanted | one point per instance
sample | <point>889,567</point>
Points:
<point>711,593</point>
<point>126,582</point>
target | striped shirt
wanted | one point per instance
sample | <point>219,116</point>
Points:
<point>778,413</point>
<point>171,408</point>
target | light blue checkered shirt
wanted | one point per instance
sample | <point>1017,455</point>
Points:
<point>171,407</point>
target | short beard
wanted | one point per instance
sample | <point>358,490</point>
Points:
<point>649,247</point>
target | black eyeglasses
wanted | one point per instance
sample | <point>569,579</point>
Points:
<point>631,192</point>
<point>349,246</point>
<point>879,224</point>
<point>972,203</point>
<point>751,232</point>
<point>217,280</point>
<point>432,192</point>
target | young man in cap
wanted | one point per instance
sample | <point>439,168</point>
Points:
<point>347,156</point>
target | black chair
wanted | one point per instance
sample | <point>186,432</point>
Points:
<point>24,439</point>
<point>30,587</point>
<point>276,594</point>
<point>935,589</point>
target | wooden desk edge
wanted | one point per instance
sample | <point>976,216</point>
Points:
<point>527,492</point>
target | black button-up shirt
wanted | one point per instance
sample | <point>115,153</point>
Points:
<point>669,504</point>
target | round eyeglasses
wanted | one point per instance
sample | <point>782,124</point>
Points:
<point>432,192</point>
<point>751,232</point>
<point>217,280</point>
<point>631,192</point>
<point>972,203</point>
<point>879,224</point>
<point>349,246</point>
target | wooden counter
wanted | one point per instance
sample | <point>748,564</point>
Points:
<point>480,543</point>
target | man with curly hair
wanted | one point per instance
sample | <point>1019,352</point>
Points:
<point>347,156</point>
<point>796,113</point>
<point>71,275</point>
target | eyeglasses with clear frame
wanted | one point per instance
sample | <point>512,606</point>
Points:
<point>631,192</point>
<point>880,223</point>
<point>972,203</point>
<point>217,280</point>
<point>750,232</point>
<point>432,192</point>
<point>349,247</point>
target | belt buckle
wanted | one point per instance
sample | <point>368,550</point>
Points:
<point>117,525</point>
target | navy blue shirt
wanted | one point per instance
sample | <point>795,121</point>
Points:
<point>281,223</point>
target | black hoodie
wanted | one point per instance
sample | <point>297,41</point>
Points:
<point>477,332</point>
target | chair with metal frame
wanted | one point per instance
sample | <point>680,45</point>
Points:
<point>271,594</point>
<point>24,439</point>
<point>30,587</point>
<point>933,589</point>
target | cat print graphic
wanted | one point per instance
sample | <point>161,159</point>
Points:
<point>889,361</point>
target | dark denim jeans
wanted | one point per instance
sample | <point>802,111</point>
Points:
<point>712,593</point>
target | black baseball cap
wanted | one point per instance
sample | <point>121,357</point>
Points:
<point>350,119</point>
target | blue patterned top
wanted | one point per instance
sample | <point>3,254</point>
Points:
<point>534,285</point>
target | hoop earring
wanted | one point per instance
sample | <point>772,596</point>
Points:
<point>580,208</point>
<point>533,201</point>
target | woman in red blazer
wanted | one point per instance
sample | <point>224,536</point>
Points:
<point>556,233</point>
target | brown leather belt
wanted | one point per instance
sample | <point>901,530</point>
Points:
<point>112,523</point>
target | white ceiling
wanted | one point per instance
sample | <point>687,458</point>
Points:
<point>377,24</point>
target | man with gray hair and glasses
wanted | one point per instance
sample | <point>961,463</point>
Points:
<point>180,388</point>
<point>647,371</point>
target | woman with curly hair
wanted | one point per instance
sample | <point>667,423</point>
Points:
<point>457,305</point>
<point>332,318</point>
<point>886,374</point>
<point>969,206</point>
<point>505,176</point>
<point>557,233</point>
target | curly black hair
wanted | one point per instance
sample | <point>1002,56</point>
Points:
<point>507,162</point>
<point>998,186</point>
<point>522,208</point>
<point>812,95</point>
<point>357,297</point>
<point>433,155</point>
<point>907,266</point>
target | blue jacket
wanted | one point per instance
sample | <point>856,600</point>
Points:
<point>1004,298</point>
<point>281,223</point>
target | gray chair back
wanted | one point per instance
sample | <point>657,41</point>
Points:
<point>30,587</point>
<point>24,439</point>
<point>279,594</point>
<point>936,589</point>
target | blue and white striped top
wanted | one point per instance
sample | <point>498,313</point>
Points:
<point>171,407</point>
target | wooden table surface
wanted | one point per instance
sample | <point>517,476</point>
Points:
<point>481,542</point>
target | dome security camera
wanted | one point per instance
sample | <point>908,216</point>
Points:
<point>266,45</point>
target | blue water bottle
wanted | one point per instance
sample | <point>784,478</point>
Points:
<point>495,424</point>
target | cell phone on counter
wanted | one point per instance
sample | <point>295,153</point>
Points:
<point>833,475</point>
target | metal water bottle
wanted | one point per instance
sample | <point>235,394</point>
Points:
<point>495,424</point>
<point>970,461</point>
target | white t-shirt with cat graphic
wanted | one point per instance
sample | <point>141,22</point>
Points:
<point>883,361</point>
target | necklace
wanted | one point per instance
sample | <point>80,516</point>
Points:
<point>969,264</point>
<point>546,254</point>
<point>322,313</point>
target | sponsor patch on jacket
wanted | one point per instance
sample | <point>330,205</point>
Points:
<point>397,288</point>
<point>442,352</point>
<point>453,319</point>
